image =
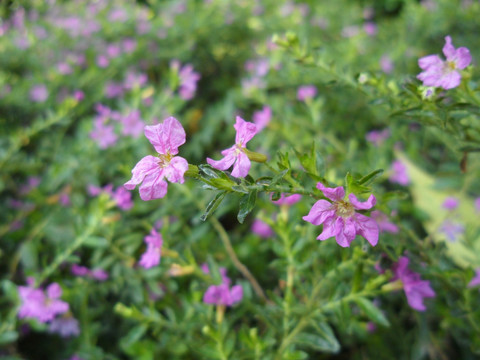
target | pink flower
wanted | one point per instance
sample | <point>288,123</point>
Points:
<point>415,288</point>
<point>475,280</point>
<point>103,134</point>
<point>306,92</point>
<point>123,198</point>
<point>64,326</point>
<point>386,64</point>
<point>132,124</point>
<point>377,137</point>
<point>166,138</point>
<point>222,294</point>
<point>444,74</point>
<point>38,93</point>
<point>477,204</point>
<point>39,305</point>
<point>188,79</point>
<point>262,229</point>
<point>450,203</point>
<point>384,224</point>
<point>236,155</point>
<point>339,218</point>
<point>399,173</point>
<point>151,257</point>
<point>99,274</point>
<point>262,117</point>
<point>288,200</point>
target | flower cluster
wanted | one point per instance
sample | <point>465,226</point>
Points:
<point>340,219</point>
<point>151,257</point>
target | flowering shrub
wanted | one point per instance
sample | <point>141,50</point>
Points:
<point>355,133</point>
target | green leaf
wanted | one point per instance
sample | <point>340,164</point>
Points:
<point>8,337</point>
<point>353,186</point>
<point>247,203</point>
<point>96,242</point>
<point>208,171</point>
<point>320,338</point>
<point>370,177</point>
<point>373,312</point>
<point>213,205</point>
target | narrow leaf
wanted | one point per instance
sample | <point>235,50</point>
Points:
<point>247,203</point>
<point>213,205</point>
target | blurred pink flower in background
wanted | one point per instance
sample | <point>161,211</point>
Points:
<point>39,93</point>
<point>399,173</point>
<point>306,92</point>
<point>262,118</point>
<point>262,229</point>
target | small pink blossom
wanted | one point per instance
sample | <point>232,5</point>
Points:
<point>222,294</point>
<point>104,135</point>
<point>288,199</point>
<point>43,306</point>
<point>65,326</point>
<point>477,204</point>
<point>370,28</point>
<point>386,64</point>
<point>132,124</point>
<point>102,61</point>
<point>39,93</point>
<point>236,155</point>
<point>377,137</point>
<point>152,171</point>
<point>78,95</point>
<point>151,257</point>
<point>444,74</point>
<point>262,117</point>
<point>399,173</point>
<point>306,92</point>
<point>450,203</point>
<point>384,224</point>
<point>415,288</point>
<point>262,229</point>
<point>340,219</point>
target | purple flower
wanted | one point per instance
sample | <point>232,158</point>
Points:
<point>262,229</point>
<point>377,137</point>
<point>222,294</point>
<point>78,95</point>
<point>384,224</point>
<point>306,92</point>
<point>444,74</point>
<point>166,139</point>
<point>399,173</point>
<point>188,79</point>
<point>99,274</point>
<point>340,219</point>
<point>452,229</point>
<point>123,198</point>
<point>79,270</point>
<point>39,93</point>
<point>151,257</point>
<point>102,61</point>
<point>262,117</point>
<point>386,64</point>
<point>477,204</point>
<point>450,203</point>
<point>113,89</point>
<point>104,135</point>
<point>132,124</point>
<point>370,28</point>
<point>236,155</point>
<point>475,280</point>
<point>134,79</point>
<point>288,200</point>
<point>39,305</point>
<point>65,326</point>
<point>415,288</point>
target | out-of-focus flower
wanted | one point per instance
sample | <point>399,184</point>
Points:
<point>262,117</point>
<point>450,203</point>
<point>288,199</point>
<point>104,135</point>
<point>377,137</point>
<point>43,306</point>
<point>262,229</point>
<point>65,326</point>
<point>477,204</point>
<point>415,288</point>
<point>39,93</point>
<point>444,74</point>
<point>151,171</point>
<point>384,224</point>
<point>132,124</point>
<point>452,229</point>
<point>306,92</point>
<point>151,257</point>
<point>78,95</point>
<point>222,294</point>
<point>123,198</point>
<point>475,280</point>
<point>386,64</point>
<point>113,90</point>
<point>102,61</point>
<point>97,274</point>
<point>399,173</point>
<point>340,219</point>
<point>236,155</point>
<point>370,28</point>
<point>188,79</point>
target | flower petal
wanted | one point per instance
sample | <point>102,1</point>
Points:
<point>367,228</point>
<point>241,166</point>
<point>167,136</point>
<point>449,49</point>
<point>320,211</point>
<point>245,131</point>
<point>176,169</point>
<point>450,80</point>
<point>143,168</point>
<point>358,205</point>
<point>429,61</point>
<point>226,162</point>
<point>153,187</point>
<point>463,58</point>
<point>334,194</point>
